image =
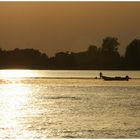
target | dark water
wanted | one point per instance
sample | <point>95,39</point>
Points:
<point>33,106</point>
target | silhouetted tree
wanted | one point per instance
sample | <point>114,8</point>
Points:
<point>109,55</point>
<point>106,57</point>
<point>110,44</point>
<point>92,49</point>
<point>23,58</point>
<point>92,56</point>
<point>63,60</point>
<point>132,55</point>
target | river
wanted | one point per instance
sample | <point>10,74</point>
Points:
<point>68,104</point>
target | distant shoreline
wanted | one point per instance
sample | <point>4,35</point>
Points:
<point>106,57</point>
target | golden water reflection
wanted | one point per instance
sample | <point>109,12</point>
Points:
<point>62,108</point>
<point>13,99</point>
<point>16,73</point>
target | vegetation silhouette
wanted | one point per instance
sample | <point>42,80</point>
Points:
<point>105,57</point>
<point>132,55</point>
<point>23,59</point>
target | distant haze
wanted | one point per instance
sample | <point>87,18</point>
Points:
<point>67,26</point>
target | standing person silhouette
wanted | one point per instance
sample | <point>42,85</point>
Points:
<point>100,75</point>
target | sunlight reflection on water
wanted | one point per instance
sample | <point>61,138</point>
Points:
<point>16,73</point>
<point>57,108</point>
<point>13,98</point>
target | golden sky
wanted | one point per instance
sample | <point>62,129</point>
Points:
<point>61,26</point>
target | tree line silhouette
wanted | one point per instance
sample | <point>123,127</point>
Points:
<point>106,57</point>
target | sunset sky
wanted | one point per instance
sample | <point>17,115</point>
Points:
<point>61,26</point>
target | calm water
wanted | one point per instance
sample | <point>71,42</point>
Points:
<point>49,104</point>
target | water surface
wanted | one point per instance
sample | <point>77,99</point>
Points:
<point>67,104</point>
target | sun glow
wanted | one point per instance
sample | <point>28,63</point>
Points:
<point>16,73</point>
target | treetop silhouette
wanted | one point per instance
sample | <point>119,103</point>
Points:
<point>105,57</point>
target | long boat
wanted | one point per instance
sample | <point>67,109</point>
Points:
<point>117,78</point>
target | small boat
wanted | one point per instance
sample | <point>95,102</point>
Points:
<point>126,78</point>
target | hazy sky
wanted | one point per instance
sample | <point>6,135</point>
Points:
<point>61,26</point>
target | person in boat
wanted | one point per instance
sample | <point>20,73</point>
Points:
<point>100,74</point>
<point>127,77</point>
